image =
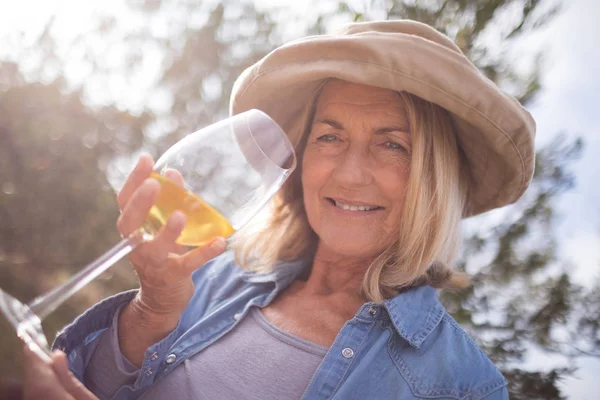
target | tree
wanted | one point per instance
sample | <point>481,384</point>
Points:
<point>57,209</point>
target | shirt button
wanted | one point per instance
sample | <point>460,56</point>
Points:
<point>170,358</point>
<point>237,316</point>
<point>154,356</point>
<point>348,352</point>
<point>149,371</point>
<point>372,310</point>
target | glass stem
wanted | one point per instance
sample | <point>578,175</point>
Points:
<point>44,305</point>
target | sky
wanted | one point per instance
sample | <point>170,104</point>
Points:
<point>569,103</point>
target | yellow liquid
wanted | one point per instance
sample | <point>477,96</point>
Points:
<point>203,222</point>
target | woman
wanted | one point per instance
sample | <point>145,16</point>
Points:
<point>399,137</point>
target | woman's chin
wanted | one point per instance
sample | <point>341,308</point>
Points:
<point>349,247</point>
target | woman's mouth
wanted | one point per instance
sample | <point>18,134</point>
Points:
<point>353,205</point>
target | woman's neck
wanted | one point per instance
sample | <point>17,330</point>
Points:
<point>333,273</point>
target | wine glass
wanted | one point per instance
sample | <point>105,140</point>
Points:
<point>230,170</point>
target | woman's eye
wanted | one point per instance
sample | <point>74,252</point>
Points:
<point>327,138</point>
<point>394,146</point>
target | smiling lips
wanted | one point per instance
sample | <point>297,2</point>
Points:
<point>353,206</point>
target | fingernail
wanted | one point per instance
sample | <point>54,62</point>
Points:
<point>175,220</point>
<point>140,161</point>
<point>218,244</point>
<point>151,181</point>
<point>144,156</point>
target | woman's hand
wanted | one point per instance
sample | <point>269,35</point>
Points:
<point>164,267</point>
<point>52,381</point>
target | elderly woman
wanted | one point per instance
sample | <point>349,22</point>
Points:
<point>399,138</point>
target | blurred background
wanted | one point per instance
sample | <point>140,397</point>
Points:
<point>86,86</point>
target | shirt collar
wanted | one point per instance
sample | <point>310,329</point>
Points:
<point>282,275</point>
<point>415,313</point>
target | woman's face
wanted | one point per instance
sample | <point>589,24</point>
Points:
<point>355,168</point>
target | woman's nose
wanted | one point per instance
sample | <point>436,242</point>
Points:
<point>353,168</point>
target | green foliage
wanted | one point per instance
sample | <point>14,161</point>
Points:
<point>534,385</point>
<point>57,210</point>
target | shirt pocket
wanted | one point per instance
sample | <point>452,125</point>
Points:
<point>440,372</point>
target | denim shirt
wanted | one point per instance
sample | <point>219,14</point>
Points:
<point>406,348</point>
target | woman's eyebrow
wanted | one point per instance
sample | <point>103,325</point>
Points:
<point>331,122</point>
<point>386,129</point>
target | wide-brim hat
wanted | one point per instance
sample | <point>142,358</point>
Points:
<point>495,133</point>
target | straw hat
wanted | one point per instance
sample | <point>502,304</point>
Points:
<point>495,132</point>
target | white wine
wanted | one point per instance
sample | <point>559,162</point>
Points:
<point>203,222</point>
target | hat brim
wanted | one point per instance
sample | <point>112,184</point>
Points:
<point>495,133</point>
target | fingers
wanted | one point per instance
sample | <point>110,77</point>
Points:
<point>175,176</point>
<point>140,173</point>
<point>36,369</point>
<point>199,256</point>
<point>71,384</point>
<point>40,381</point>
<point>164,242</point>
<point>138,206</point>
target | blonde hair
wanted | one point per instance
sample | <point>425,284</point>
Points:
<point>429,232</point>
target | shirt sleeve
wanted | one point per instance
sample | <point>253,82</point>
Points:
<point>108,370</point>
<point>95,327</point>
<point>78,340</point>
